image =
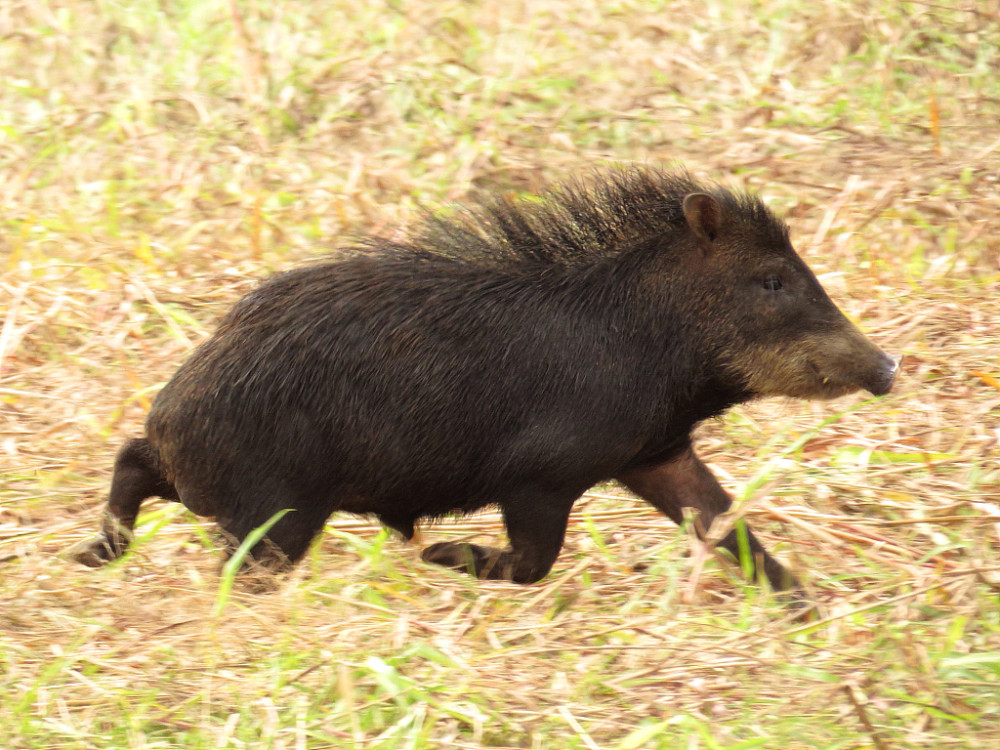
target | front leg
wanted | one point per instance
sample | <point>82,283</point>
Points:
<point>536,526</point>
<point>685,482</point>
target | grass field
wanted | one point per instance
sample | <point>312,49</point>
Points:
<point>158,158</point>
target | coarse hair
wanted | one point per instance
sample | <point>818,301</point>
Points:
<point>574,224</point>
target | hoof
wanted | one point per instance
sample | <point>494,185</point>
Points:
<point>97,553</point>
<point>481,562</point>
<point>450,554</point>
<point>799,606</point>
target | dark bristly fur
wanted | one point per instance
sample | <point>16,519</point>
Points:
<point>576,225</point>
<point>512,354</point>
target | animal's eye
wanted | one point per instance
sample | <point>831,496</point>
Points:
<point>772,283</point>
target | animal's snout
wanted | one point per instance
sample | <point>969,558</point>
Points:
<point>885,377</point>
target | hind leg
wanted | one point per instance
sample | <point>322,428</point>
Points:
<point>134,479</point>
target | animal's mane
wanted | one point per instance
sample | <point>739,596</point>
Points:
<point>577,223</point>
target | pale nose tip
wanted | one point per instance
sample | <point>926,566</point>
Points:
<point>885,376</point>
<point>897,363</point>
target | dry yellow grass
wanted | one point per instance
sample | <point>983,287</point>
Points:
<point>156,162</point>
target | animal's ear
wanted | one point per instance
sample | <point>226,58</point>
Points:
<point>704,216</point>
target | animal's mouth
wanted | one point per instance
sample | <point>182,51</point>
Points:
<point>878,381</point>
<point>815,382</point>
<point>827,386</point>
